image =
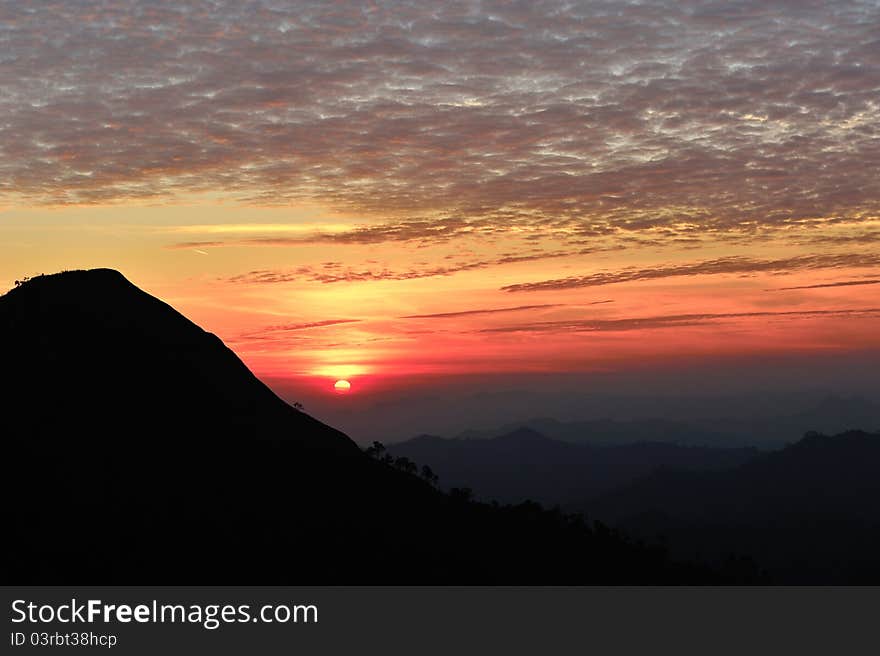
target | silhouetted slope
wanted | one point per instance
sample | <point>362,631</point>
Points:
<point>90,347</point>
<point>809,512</point>
<point>139,449</point>
<point>524,464</point>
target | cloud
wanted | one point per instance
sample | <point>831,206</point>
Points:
<point>351,274</point>
<point>687,116</point>
<point>668,321</point>
<point>465,313</point>
<point>845,283</point>
<point>305,326</point>
<point>857,238</point>
<point>281,330</point>
<point>196,245</point>
<point>725,265</point>
<point>333,272</point>
<point>439,229</point>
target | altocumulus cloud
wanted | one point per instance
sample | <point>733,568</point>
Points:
<point>332,272</point>
<point>724,265</point>
<point>671,321</point>
<point>588,117</point>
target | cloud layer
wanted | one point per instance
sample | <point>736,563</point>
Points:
<point>672,321</point>
<point>724,265</point>
<point>691,116</point>
<point>467,313</point>
<point>332,272</point>
<point>843,283</point>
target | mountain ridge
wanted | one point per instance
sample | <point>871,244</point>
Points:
<point>525,463</point>
<point>810,511</point>
<point>143,450</point>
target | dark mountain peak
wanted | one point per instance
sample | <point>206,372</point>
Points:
<point>91,308</point>
<point>101,275</point>
<point>95,348</point>
<point>425,438</point>
<point>81,283</point>
<point>852,441</point>
<point>524,436</point>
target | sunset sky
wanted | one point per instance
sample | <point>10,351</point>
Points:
<point>388,192</point>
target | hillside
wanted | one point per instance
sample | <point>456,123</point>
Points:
<point>808,512</point>
<point>524,464</point>
<point>141,450</point>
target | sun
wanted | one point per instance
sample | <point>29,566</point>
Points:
<point>342,386</point>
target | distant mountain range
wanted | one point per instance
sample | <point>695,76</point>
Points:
<point>610,432</point>
<point>139,449</point>
<point>762,415</point>
<point>524,464</point>
<point>808,512</point>
<point>765,430</point>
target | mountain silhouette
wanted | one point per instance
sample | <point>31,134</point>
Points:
<point>138,448</point>
<point>95,351</point>
<point>830,415</point>
<point>610,432</point>
<point>808,512</point>
<point>726,422</point>
<point>525,464</point>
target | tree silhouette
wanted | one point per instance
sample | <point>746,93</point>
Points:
<point>375,450</point>
<point>405,464</point>
<point>461,494</point>
<point>429,475</point>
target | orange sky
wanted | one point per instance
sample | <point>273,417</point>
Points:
<point>385,193</point>
<point>384,312</point>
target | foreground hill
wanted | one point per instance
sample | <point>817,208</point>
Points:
<point>524,464</point>
<point>139,449</point>
<point>809,512</point>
